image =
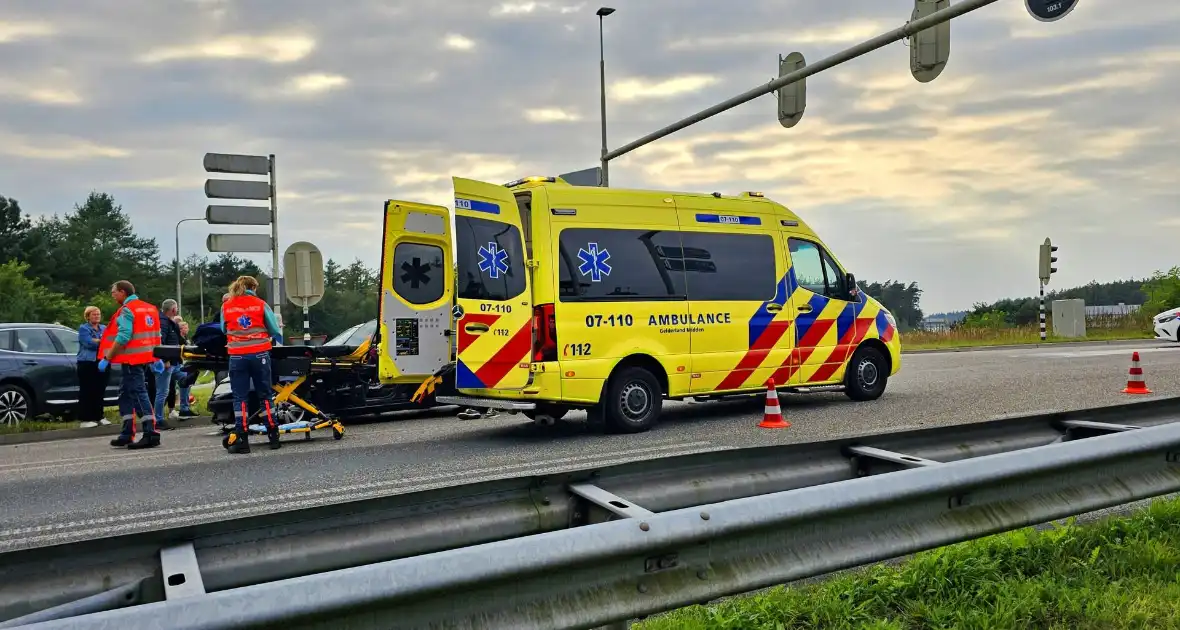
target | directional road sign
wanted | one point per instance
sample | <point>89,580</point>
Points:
<point>239,243</point>
<point>239,164</point>
<point>237,189</point>
<point>237,215</point>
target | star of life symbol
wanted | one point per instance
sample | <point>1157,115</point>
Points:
<point>493,260</point>
<point>594,262</point>
<point>151,321</point>
<point>244,321</point>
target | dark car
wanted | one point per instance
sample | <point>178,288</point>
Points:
<point>39,372</point>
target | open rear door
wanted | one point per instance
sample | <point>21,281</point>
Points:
<point>494,309</point>
<point>417,291</point>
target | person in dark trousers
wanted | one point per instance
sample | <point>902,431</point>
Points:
<point>169,336</point>
<point>251,329</point>
<point>92,383</point>
<point>129,340</point>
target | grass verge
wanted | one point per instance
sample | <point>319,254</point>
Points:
<point>979,337</point>
<point>1114,574</point>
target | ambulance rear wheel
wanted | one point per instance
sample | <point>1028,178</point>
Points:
<point>866,375</point>
<point>633,401</point>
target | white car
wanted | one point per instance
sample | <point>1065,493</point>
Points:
<point>1167,325</point>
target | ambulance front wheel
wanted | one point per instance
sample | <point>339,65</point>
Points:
<point>633,401</point>
<point>867,374</point>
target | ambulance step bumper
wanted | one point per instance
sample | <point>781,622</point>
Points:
<point>491,403</point>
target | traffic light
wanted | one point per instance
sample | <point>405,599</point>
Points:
<point>1047,260</point>
<point>792,99</point>
<point>929,49</point>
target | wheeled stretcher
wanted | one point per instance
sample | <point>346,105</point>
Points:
<point>290,368</point>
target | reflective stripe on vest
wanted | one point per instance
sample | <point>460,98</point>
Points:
<point>145,334</point>
<point>245,325</point>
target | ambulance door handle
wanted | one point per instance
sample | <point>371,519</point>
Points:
<point>476,329</point>
<point>774,308</point>
<point>804,308</point>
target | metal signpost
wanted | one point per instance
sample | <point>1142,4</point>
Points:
<point>303,267</point>
<point>256,190</point>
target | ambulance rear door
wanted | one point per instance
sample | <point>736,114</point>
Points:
<point>494,310</point>
<point>417,291</point>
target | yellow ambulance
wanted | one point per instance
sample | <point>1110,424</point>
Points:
<point>555,297</point>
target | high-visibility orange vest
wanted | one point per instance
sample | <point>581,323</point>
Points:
<point>145,334</point>
<point>245,325</point>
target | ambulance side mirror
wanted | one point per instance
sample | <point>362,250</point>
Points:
<point>850,280</point>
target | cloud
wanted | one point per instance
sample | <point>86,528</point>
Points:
<point>17,31</point>
<point>316,83</point>
<point>266,48</point>
<point>1065,130</point>
<point>550,115</point>
<point>455,41</point>
<point>638,89</point>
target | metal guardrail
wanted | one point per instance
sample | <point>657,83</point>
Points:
<point>590,547</point>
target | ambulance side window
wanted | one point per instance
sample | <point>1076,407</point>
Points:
<point>837,283</point>
<point>729,267</point>
<point>808,265</point>
<point>612,265</point>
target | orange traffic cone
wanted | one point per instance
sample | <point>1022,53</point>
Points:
<point>772,418</point>
<point>1135,382</point>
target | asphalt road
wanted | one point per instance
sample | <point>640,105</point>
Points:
<point>60,491</point>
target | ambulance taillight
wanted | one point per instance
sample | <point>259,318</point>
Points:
<point>544,333</point>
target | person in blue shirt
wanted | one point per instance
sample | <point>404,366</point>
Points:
<point>92,382</point>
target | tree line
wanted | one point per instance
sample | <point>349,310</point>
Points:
<point>1156,293</point>
<point>55,265</point>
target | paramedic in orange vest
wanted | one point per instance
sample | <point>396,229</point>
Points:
<point>250,326</point>
<point>128,341</point>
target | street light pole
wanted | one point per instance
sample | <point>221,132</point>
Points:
<point>179,301</point>
<point>603,12</point>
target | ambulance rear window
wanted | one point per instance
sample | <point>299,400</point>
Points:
<point>490,260</point>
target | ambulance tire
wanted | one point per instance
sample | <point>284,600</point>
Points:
<point>633,401</point>
<point>867,374</point>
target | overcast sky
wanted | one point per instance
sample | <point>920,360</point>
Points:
<point>1068,129</point>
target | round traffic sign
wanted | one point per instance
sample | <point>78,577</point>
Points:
<point>1050,10</point>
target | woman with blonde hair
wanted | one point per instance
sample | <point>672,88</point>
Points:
<point>251,329</point>
<point>92,382</point>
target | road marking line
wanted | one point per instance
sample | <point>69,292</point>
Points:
<point>269,500</point>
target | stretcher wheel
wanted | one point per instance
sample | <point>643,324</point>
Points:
<point>337,432</point>
<point>225,442</point>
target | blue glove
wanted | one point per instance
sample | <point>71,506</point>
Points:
<point>158,366</point>
<point>102,365</point>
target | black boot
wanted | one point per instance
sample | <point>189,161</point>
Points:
<point>126,436</point>
<point>149,438</point>
<point>272,429</point>
<point>237,442</point>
